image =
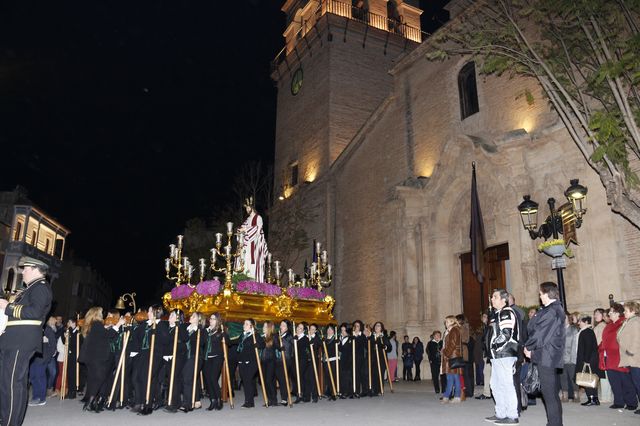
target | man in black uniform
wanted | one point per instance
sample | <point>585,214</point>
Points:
<point>22,338</point>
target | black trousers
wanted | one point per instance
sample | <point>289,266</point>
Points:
<point>269,374</point>
<point>435,375</point>
<point>280,376</point>
<point>375,379</point>
<point>187,382</point>
<point>407,374</point>
<point>71,376</point>
<point>417,364</point>
<point>310,388</point>
<point>176,391</point>
<point>328,389</point>
<point>469,381</point>
<point>550,387</point>
<point>247,375</point>
<point>14,375</point>
<point>622,387</point>
<point>300,372</point>
<point>346,379</point>
<point>516,384</point>
<point>141,375</point>
<point>212,370</point>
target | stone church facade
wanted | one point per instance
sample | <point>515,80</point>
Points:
<point>383,158</point>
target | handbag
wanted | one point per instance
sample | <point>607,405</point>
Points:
<point>531,382</point>
<point>587,380</point>
<point>457,362</point>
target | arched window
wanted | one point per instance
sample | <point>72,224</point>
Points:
<point>9,285</point>
<point>468,90</point>
<point>18,234</point>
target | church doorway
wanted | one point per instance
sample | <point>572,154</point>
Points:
<point>475,297</point>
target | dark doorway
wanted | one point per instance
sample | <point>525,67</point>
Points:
<point>475,298</point>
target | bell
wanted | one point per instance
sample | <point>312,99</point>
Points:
<point>120,303</point>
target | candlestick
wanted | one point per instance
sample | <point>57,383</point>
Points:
<point>180,241</point>
<point>227,250</point>
<point>268,257</point>
<point>167,265</point>
<point>218,239</point>
<point>277,266</point>
<point>229,227</point>
<point>172,251</point>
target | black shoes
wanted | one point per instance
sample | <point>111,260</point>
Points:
<point>616,406</point>
<point>592,400</point>
<point>248,405</point>
<point>631,407</point>
<point>482,397</point>
<point>214,404</point>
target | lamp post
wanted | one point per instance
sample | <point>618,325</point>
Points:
<point>120,303</point>
<point>576,194</point>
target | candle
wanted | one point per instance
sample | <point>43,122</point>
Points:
<point>227,250</point>
<point>313,268</point>
<point>167,265</point>
<point>329,271</point>
<point>268,257</point>
<point>202,266</point>
<point>324,256</point>
<point>318,248</point>
<point>180,241</point>
<point>290,271</point>
<point>277,264</point>
<point>172,250</point>
<point>190,271</point>
<point>213,256</point>
<point>185,261</point>
<point>218,238</point>
<point>229,227</point>
<point>304,282</point>
<point>241,238</point>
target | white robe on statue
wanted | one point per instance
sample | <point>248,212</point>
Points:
<point>255,247</point>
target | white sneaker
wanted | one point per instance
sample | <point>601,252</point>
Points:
<point>36,403</point>
<point>456,400</point>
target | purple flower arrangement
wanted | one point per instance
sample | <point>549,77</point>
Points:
<point>208,288</point>
<point>305,293</point>
<point>253,287</point>
<point>181,292</point>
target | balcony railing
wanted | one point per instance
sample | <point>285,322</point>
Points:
<point>339,8</point>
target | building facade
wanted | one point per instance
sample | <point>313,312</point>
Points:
<point>26,230</point>
<point>389,177</point>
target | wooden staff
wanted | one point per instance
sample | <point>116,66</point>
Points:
<point>124,365</point>
<point>147,399</point>
<point>63,386</point>
<point>295,352</point>
<point>379,369</point>
<point>338,368</point>
<point>264,390</point>
<point>173,364</point>
<point>386,362</point>
<point>195,371</point>
<point>226,369</point>
<point>369,359</point>
<point>353,367</point>
<point>315,369</point>
<point>286,373</point>
<point>117,375</point>
<point>326,354</point>
<point>77,363</point>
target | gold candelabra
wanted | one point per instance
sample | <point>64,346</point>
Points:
<point>320,274</point>
<point>184,268</point>
<point>228,255</point>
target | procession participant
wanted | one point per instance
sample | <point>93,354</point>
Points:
<point>346,364</point>
<point>301,342</point>
<point>254,245</point>
<point>141,347</point>
<point>361,367</point>
<point>95,355</point>
<point>284,359</point>
<point>133,360</point>
<point>22,338</point>
<point>268,360</point>
<point>193,363</point>
<point>72,356</point>
<point>247,362</point>
<point>380,340</point>
<point>113,324</point>
<point>214,359</point>
<point>311,378</point>
<point>329,358</point>
<point>369,362</point>
<point>174,352</point>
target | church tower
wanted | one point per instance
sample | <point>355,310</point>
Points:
<point>331,75</point>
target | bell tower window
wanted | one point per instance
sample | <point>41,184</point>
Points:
<point>468,90</point>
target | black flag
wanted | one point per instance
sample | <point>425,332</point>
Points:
<point>476,233</point>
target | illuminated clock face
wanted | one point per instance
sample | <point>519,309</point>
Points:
<point>296,82</point>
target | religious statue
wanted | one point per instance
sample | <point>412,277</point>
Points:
<point>254,245</point>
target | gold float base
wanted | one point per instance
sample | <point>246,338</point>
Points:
<point>234,306</point>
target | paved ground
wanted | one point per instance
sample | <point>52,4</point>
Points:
<point>411,404</point>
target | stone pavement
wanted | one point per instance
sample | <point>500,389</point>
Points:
<point>411,404</point>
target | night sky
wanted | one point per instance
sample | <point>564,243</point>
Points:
<point>123,119</point>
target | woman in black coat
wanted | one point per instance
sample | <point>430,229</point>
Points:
<point>95,355</point>
<point>418,354</point>
<point>588,354</point>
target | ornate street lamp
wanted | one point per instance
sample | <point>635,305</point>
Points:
<point>577,195</point>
